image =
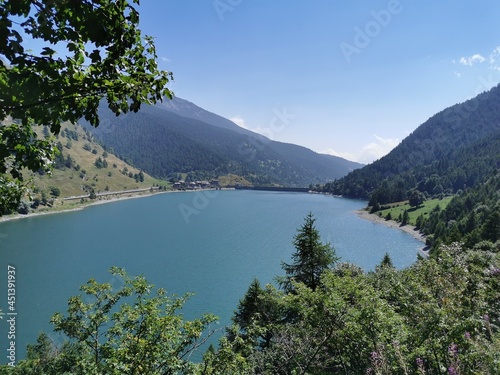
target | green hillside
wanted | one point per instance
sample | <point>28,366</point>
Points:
<point>452,161</point>
<point>83,166</point>
<point>396,211</point>
<point>453,150</point>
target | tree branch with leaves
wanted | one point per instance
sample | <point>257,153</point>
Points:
<point>92,49</point>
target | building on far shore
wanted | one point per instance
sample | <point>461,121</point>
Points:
<point>196,185</point>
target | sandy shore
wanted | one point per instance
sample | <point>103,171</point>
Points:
<point>107,199</point>
<point>392,224</point>
<point>80,206</point>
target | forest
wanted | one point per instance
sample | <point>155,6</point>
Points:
<point>163,143</point>
<point>455,154</point>
<point>454,150</point>
<point>473,216</point>
<point>322,316</point>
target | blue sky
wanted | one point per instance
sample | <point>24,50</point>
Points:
<point>350,78</point>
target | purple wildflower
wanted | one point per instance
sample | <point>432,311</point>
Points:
<point>467,335</point>
<point>453,349</point>
<point>495,271</point>
<point>452,371</point>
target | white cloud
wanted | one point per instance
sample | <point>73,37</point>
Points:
<point>376,150</point>
<point>494,55</point>
<point>165,59</point>
<point>494,59</point>
<point>345,155</point>
<point>369,153</point>
<point>238,120</point>
<point>469,61</point>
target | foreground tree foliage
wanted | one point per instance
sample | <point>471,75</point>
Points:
<point>439,316</point>
<point>131,330</point>
<point>91,49</point>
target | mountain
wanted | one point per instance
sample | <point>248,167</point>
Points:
<point>187,109</point>
<point>83,165</point>
<point>453,150</point>
<point>179,138</point>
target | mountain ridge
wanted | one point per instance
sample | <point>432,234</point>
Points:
<point>185,108</point>
<point>444,146</point>
<point>174,138</point>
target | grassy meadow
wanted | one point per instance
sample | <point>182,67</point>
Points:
<point>397,209</point>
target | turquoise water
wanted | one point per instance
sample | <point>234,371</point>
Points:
<point>210,243</point>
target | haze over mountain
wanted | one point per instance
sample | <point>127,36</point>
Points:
<point>178,137</point>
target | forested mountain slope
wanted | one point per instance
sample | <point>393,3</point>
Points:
<point>455,149</point>
<point>472,217</point>
<point>169,139</point>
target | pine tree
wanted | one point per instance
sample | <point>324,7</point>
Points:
<point>406,218</point>
<point>257,313</point>
<point>387,261</point>
<point>249,306</point>
<point>310,259</point>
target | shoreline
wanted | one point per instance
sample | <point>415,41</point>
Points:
<point>411,230</point>
<point>361,213</point>
<point>81,206</point>
<point>76,207</point>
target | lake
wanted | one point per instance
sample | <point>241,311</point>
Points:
<point>211,243</point>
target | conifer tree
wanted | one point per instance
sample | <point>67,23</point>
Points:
<point>249,306</point>
<point>387,261</point>
<point>310,259</point>
<point>406,218</point>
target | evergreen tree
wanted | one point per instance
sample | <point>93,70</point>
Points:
<point>416,198</point>
<point>310,259</point>
<point>406,218</point>
<point>98,163</point>
<point>249,306</point>
<point>420,221</point>
<point>491,229</point>
<point>387,261</point>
